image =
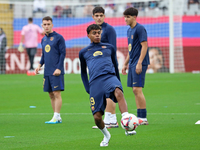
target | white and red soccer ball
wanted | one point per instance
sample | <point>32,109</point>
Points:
<point>129,122</point>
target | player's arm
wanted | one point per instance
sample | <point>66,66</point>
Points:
<point>125,66</point>
<point>84,76</point>
<point>40,30</point>
<point>62,50</point>
<point>142,35</point>
<point>141,58</point>
<point>22,35</point>
<point>112,37</point>
<point>115,62</point>
<point>41,61</point>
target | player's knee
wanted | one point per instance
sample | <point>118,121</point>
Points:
<point>57,94</point>
<point>136,90</point>
<point>51,95</point>
<point>97,118</point>
<point>118,93</point>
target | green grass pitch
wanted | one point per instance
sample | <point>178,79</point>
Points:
<point>173,106</point>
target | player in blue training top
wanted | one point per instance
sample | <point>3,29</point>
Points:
<point>104,80</point>
<point>138,60</point>
<point>53,55</point>
<point>108,35</point>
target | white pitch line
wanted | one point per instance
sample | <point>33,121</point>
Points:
<point>198,122</point>
<point>26,114</point>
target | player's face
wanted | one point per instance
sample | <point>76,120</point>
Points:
<point>129,19</point>
<point>98,18</point>
<point>156,59</point>
<point>95,36</point>
<point>47,26</point>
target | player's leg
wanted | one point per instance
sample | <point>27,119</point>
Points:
<point>137,85</point>
<point>52,97</point>
<point>121,100</point>
<point>28,50</point>
<point>122,106</point>
<point>110,118</point>
<point>100,124</point>
<point>57,85</point>
<point>58,101</point>
<point>32,55</point>
<point>141,105</point>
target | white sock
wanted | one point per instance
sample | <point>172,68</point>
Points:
<point>125,113</point>
<point>106,134</point>
<point>107,118</point>
<point>143,119</point>
<point>56,115</point>
<point>113,118</point>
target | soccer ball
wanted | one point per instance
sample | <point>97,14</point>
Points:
<point>129,122</point>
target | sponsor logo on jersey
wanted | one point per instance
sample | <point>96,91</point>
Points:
<point>129,47</point>
<point>55,86</point>
<point>131,36</point>
<point>51,38</point>
<point>97,53</point>
<point>103,46</point>
<point>47,48</point>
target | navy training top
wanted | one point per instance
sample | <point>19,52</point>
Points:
<point>53,53</point>
<point>100,58</point>
<point>135,36</point>
<point>108,34</point>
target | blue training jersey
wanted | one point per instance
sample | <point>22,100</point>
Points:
<point>108,34</point>
<point>53,53</point>
<point>100,58</point>
<point>135,36</point>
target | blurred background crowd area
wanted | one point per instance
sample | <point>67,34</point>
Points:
<point>83,8</point>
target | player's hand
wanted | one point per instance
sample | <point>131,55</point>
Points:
<point>124,68</point>
<point>138,69</point>
<point>37,70</point>
<point>57,72</point>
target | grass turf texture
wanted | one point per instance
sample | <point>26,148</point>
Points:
<point>172,103</point>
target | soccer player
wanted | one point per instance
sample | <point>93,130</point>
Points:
<point>104,82</point>
<point>53,55</point>
<point>29,36</point>
<point>138,60</point>
<point>108,35</point>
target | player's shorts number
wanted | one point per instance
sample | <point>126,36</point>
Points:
<point>43,82</point>
<point>92,102</point>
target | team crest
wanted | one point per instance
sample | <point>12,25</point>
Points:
<point>47,48</point>
<point>103,46</point>
<point>131,36</point>
<point>92,108</point>
<point>51,39</point>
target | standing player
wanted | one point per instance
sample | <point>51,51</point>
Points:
<point>138,60</point>
<point>108,35</point>
<point>53,55</point>
<point>29,36</point>
<point>101,60</point>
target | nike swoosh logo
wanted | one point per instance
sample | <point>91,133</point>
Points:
<point>55,86</point>
<point>134,82</point>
